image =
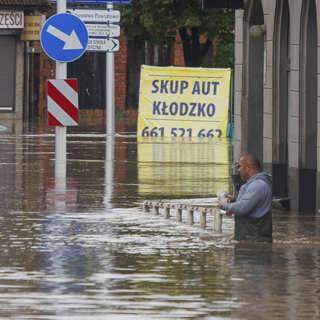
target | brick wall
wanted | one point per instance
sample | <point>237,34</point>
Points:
<point>47,71</point>
<point>177,58</point>
<point>121,74</point>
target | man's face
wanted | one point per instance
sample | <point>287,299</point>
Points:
<point>243,169</point>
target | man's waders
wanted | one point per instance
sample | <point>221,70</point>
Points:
<point>253,229</point>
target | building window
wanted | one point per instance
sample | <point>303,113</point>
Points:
<point>7,72</point>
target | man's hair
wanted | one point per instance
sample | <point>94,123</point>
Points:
<point>252,161</point>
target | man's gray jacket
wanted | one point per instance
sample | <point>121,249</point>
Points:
<point>254,198</point>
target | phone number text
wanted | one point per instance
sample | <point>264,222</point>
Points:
<point>180,132</point>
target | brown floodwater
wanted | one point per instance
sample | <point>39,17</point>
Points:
<point>90,252</point>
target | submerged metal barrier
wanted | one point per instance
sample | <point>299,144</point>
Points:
<point>155,206</point>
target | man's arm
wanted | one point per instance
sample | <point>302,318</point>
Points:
<point>248,201</point>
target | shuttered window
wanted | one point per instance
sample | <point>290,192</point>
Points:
<point>7,72</point>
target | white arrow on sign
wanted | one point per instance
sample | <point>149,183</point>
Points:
<point>103,30</point>
<point>71,41</point>
<point>108,45</point>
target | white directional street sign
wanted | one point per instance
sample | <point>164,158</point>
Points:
<point>103,30</point>
<point>107,45</point>
<point>97,15</point>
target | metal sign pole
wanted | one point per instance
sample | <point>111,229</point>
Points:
<point>60,137</point>
<point>110,112</point>
<point>109,169</point>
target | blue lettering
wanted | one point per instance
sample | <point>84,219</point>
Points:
<point>192,109</point>
<point>215,85</point>
<point>192,112</point>
<point>205,87</point>
<point>163,86</point>
<point>196,88</point>
<point>174,85</point>
<point>164,107</point>
<point>184,85</point>
<point>175,110</point>
<point>183,109</point>
<point>201,109</point>
<point>211,109</point>
<point>156,107</point>
<point>155,85</point>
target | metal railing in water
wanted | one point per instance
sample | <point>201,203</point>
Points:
<point>155,206</point>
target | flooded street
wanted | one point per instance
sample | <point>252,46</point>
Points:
<point>92,253</point>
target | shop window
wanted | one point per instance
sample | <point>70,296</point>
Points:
<point>7,72</point>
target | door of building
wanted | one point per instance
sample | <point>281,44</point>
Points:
<point>7,72</point>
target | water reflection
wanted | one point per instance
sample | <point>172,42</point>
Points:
<point>275,280</point>
<point>179,168</point>
<point>93,254</point>
<point>109,171</point>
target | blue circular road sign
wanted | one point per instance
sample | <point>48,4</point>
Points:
<point>64,37</point>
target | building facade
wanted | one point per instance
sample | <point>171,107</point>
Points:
<point>14,15</point>
<point>24,68</point>
<point>277,94</point>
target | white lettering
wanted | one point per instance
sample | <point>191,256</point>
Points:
<point>11,19</point>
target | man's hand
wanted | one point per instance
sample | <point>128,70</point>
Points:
<point>231,198</point>
<point>221,204</point>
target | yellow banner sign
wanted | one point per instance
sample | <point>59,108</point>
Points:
<point>32,27</point>
<point>183,102</point>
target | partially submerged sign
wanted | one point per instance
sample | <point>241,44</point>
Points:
<point>183,102</point>
<point>180,168</point>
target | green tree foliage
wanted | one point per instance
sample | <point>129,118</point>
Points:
<point>201,31</point>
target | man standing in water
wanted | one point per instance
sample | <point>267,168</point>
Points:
<point>252,208</point>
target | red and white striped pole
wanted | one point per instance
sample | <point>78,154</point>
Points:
<point>63,105</point>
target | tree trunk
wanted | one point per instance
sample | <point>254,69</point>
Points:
<point>215,47</point>
<point>147,53</point>
<point>156,55</point>
<point>195,48</point>
<point>193,51</point>
<point>185,38</point>
<point>136,57</point>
